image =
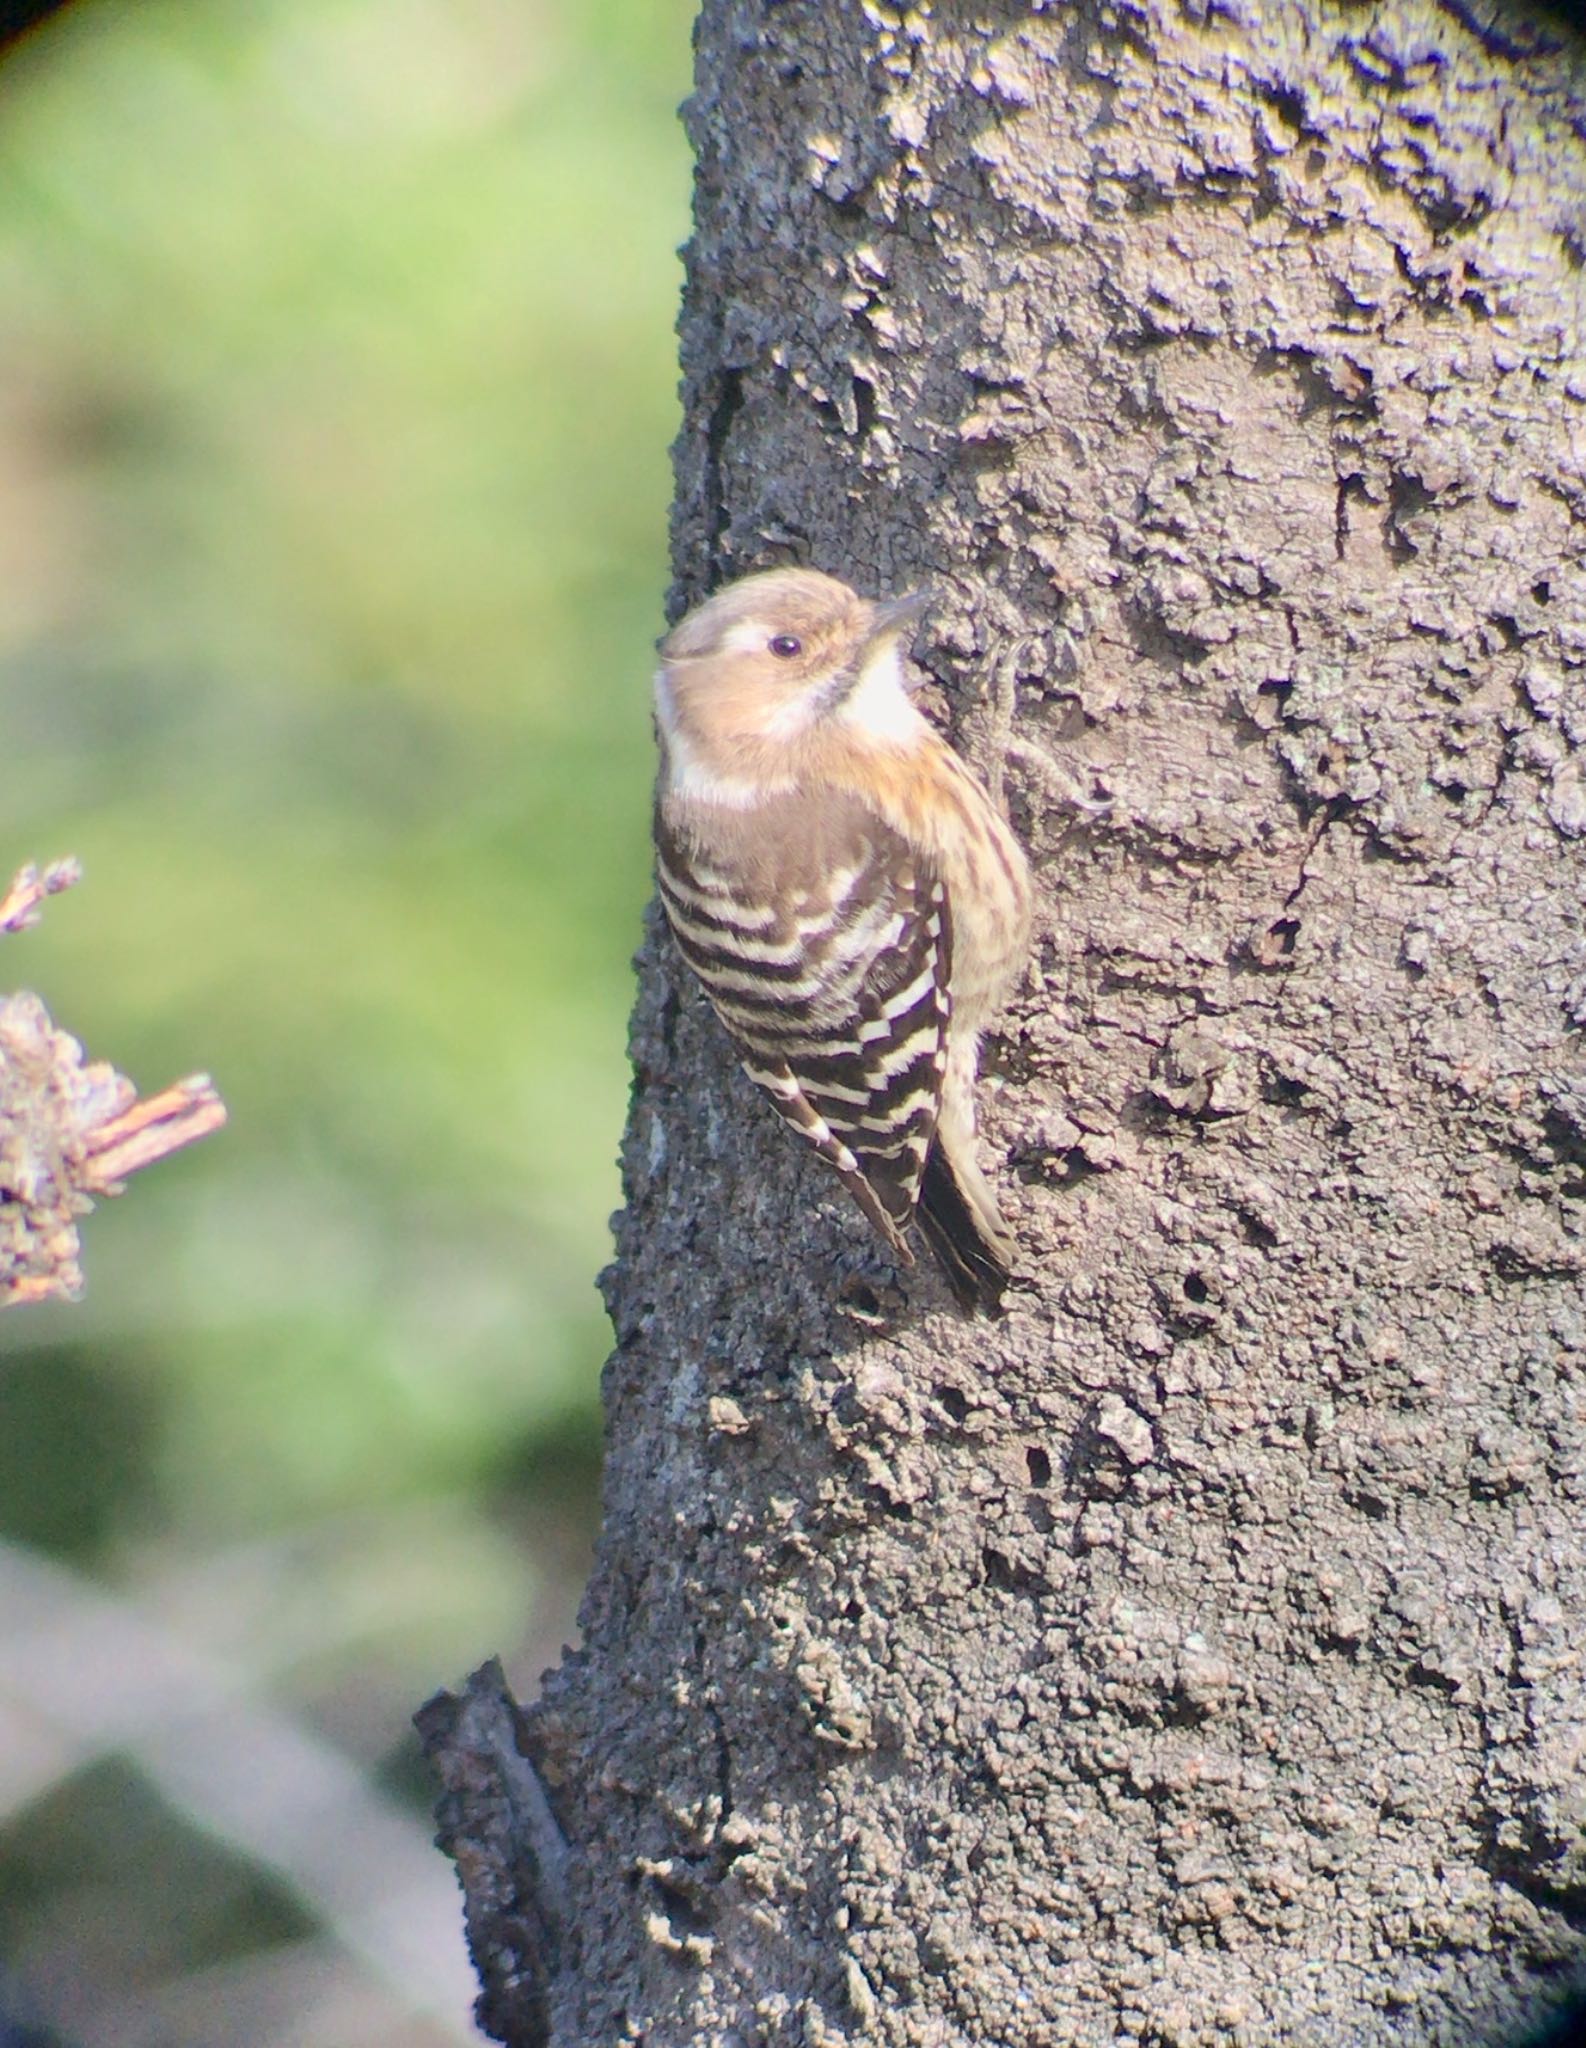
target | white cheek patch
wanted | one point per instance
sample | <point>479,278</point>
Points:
<point>879,702</point>
<point>687,776</point>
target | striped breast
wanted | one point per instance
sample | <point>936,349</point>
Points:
<point>824,944</point>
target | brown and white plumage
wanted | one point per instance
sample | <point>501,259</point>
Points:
<point>848,896</point>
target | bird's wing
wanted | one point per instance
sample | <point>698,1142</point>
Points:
<point>825,947</point>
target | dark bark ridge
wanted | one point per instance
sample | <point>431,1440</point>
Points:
<point>1196,1654</point>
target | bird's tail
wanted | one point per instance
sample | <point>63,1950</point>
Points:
<point>958,1215</point>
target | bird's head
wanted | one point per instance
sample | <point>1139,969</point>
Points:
<point>757,678</point>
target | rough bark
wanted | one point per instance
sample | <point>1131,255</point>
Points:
<point>1196,1654</point>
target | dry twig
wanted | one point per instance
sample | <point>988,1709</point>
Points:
<point>70,1128</point>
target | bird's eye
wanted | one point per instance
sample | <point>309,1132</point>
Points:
<point>785,646</point>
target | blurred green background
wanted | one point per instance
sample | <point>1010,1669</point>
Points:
<point>336,384</point>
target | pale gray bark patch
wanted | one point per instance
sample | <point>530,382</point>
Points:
<point>1196,1654</point>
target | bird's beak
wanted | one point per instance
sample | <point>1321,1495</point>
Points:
<point>895,616</point>
<point>888,622</point>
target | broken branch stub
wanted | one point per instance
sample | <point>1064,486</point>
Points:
<point>71,1128</point>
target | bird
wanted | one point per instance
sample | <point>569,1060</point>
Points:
<point>850,899</point>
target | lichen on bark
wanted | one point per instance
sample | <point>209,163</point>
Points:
<point>1195,1654</point>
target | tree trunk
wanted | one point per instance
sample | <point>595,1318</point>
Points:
<point>1194,1654</point>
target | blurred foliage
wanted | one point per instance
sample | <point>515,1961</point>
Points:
<point>336,383</point>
